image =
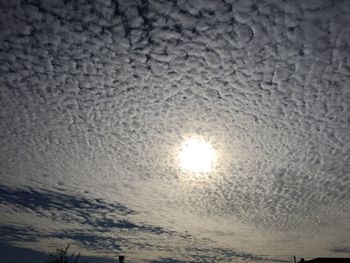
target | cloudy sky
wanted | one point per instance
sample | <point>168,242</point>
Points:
<point>97,97</point>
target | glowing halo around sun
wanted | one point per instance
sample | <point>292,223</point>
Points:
<point>196,156</point>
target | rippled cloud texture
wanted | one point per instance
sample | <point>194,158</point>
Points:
<point>97,96</point>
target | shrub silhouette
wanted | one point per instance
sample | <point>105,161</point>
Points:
<point>61,255</point>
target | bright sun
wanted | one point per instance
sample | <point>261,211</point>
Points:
<point>196,155</point>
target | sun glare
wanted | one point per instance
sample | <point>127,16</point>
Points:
<point>197,156</point>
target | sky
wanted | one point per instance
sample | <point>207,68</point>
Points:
<point>97,97</point>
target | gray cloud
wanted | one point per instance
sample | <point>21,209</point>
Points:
<point>95,97</point>
<point>16,233</point>
<point>97,230</point>
<point>64,207</point>
<point>341,250</point>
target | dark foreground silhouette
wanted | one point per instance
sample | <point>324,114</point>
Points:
<point>62,255</point>
<point>325,260</point>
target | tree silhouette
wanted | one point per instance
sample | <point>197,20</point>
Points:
<point>61,255</point>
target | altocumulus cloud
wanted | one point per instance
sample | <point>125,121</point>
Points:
<point>95,97</point>
<point>96,225</point>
